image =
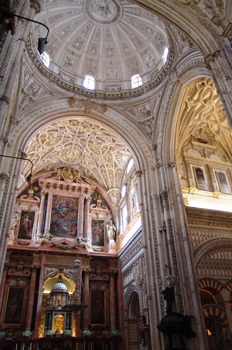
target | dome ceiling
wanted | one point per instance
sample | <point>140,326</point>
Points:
<point>108,39</point>
<point>85,146</point>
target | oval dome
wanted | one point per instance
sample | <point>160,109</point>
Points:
<point>106,39</point>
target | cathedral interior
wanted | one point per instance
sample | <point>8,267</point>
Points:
<point>116,174</point>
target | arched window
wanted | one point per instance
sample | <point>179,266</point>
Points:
<point>123,192</point>
<point>89,82</point>
<point>130,165</point>
<point>165,54</point>
<point>45,59</point>
<point>124,217</point>
<point>136,81</point>
<point>133,201</point>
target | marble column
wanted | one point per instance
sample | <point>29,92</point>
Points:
<point>40,295</point>
<point>41,214</point>
<point>80,216</point>
<point>3,184</point>
<point>31,299</point>
<point>2,287</point>
<point>86,300</point>
<point>49,208</point>
<point>112,302</point>
<point>86,227</point>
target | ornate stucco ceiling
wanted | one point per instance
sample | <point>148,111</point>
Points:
<point>202,117</point>
<point>108,39</point>
<point>86,146</point>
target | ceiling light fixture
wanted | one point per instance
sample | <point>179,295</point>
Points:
<point>42,41</point>
<point>30,175</point>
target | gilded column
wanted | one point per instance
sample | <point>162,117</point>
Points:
<point>31,299</point>
<point>86,227</point>
<point>86,300</point>
<point>41,214</point>
<point>112,302</point>
<point>80,216</point>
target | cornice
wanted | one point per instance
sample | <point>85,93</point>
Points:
<point>209,217</point>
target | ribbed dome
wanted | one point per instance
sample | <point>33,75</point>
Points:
<point>59,286</point>
<point>107,39</point>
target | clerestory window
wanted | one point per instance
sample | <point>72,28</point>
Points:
<point>136,81</point>
<point>45,59</point>
<point>89,82</point>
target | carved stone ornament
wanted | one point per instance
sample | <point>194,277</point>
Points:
<point>46,238</point>
<point>68,174</point>
<point>87,105</point>
<point>15,272</point>
<point>64,245</point>
<point>103,11</point>
<point>168,281</point>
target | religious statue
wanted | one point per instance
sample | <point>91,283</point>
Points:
<point>15,220</point>
<point>46,238</point>
<point>111,229</point>
<point>68,174</point>
<point>98,199</point>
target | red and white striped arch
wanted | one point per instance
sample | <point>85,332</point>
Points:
<point>214,310</point>
<point>208,283</point>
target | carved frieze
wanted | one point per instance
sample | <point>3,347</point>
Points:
<point>87,105</point>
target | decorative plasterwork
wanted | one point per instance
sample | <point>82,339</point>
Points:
<point>110,40</point>
<point>213,10</point>
<point>107,92</point>
<point>83,145</point>
<point>209,219</point>
<point>202,118</point>
<point>216,263</point>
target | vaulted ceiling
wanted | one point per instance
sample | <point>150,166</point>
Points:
<point>84,145</point>
<point>109,39</point>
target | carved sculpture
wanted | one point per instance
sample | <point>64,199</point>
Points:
<point>68,174</point>
<point>111,229</point>
<point>46,238</point>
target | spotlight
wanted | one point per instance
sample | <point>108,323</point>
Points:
<point>41,43</point>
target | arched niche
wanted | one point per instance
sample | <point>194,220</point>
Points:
<point>202,145</point>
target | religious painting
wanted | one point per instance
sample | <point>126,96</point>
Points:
<point>222,181</point>
<point>26,225</point>
<point>133,201</point>
<point>200,179</point>
<point>98,306</point>
<point>64,216</point>
<point>14,306</point>
<point>98,230</point>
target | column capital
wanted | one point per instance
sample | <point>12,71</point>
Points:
<point>44,193</point>
<point>35,5</point>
